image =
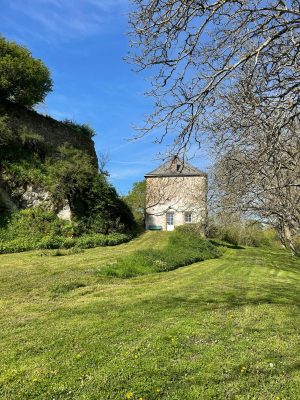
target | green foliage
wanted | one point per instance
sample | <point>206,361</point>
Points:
<point>58,242</point>
<point>84,129</point>
<point>33,224</point>
<point>6,134</point>
<point>18,174</point>
<point>136,201</point>
<point>183,248</point>
<point>196,229</point>
<point>69,175</point>
<point>245,233</point>
<point>101,210</point>
<point>22,158</point>
<point>31,141</point>
<point>37,228</point>
<point>23,79</point>
<point>98,239</point>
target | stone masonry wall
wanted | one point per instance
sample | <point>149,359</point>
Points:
<point>178,195</point>
<point>55,133</point>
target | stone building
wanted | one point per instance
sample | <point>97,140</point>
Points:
<point>176,194</point>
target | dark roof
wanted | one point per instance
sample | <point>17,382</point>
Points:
<point>176,167</point>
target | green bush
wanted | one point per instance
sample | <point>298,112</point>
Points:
<point>38,229</point>
<point>59,242</point>
<point>84,129</point>
<point>197,229</point>
<point>182,249</point>
<point>242,233</point>
<point>101,210</point>
<point>69,243</point>
<point>33,223</point>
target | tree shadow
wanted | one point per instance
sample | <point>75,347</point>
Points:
<point>228,245</point>
<point>4,217</point>
<point>232,298</point>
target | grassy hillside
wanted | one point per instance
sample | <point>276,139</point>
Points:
<point>220,329</point>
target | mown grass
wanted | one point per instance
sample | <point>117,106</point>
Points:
<point>226,328</point>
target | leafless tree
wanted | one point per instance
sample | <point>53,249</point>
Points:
<point>197,49</point>
<point>230,70</point>
<point>103,159</point>
<point>258,161</point>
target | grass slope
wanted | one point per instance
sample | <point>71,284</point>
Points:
<point>220,329</point>
<point>180,249</point>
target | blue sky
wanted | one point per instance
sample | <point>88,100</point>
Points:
<point>83,42</point>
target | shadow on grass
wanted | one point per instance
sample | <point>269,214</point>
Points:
<point>235,297</point>
<point>225,244</point>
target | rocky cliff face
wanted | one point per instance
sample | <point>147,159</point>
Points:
<point>34,196</point>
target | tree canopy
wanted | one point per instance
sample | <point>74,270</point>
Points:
<point>136,199</point>
<point>196,50</point>
<point>23,79</point>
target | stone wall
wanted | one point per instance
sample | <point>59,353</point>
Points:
<point>179,195</point>
<point>55,133</point>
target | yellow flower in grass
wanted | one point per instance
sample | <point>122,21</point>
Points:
<point>129,395</point>
<point>243,370</point>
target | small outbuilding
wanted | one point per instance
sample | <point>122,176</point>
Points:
<point>176,194</point>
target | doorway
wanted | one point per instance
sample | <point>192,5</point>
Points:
<point>170,221</point>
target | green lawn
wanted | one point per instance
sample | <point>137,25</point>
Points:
<point>227,328</point>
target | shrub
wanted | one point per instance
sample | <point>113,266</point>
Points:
<point>59,242</point>
<point>33,223</point>
<point>244,233</point>
<point>69,243</point>
<point>197,229</point>
<point>101,210</point>
<point>50,242</point>
<point>182,249</point>
<point>84,129</point>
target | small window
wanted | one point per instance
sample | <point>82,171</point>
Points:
<point>188,217</point>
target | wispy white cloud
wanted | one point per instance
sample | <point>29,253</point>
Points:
<point>132,162</point>
<point>124,173</point>
<point>64,20</point>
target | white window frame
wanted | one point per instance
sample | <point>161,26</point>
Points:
<point>188,217</point>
